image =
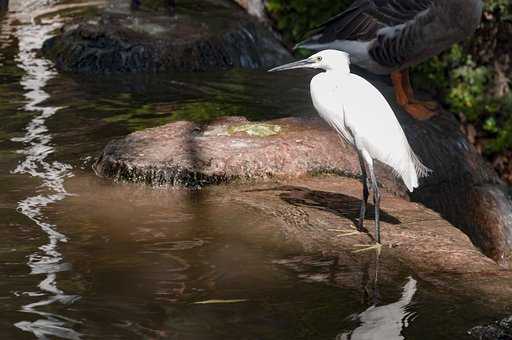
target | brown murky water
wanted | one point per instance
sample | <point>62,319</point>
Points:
<point>84,258</point>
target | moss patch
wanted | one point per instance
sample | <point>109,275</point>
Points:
<point>256,129</point>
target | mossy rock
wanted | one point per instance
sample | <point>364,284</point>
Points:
<point>255,129</point>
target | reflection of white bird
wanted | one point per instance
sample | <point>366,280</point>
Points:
<point>384,322</point>
<point>362,117</point>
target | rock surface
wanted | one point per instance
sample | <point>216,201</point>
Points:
<point>231,148</point>
<point>301,220</point>
<point>463,187</point>
<point>208,35</point>
<point>312,213</point>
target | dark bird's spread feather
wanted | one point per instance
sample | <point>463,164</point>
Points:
<point>364,18</point>
<point>386,35</point>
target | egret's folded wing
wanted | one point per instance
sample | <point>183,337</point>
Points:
<point>375,128</point>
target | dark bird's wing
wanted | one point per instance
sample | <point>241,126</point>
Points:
<point>386,35</point>
<point>364,18</point>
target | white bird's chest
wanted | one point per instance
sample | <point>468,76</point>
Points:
<point>325,94</point>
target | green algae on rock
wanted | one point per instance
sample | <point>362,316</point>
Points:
<point>255,129</point>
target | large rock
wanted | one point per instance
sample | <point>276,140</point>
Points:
<point>207,35</point>
<point>462,187</point>
<point>229,149</point>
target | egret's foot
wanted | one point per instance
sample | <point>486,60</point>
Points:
<point>349,233</point>
<point>346,233</point>
<point>366,247</point>
<point>419,111</point>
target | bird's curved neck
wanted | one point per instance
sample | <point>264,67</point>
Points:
<point>339,70</point>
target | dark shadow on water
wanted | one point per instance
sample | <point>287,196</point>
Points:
<point>339,204</point>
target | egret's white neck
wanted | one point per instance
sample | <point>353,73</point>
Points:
<point>342,68</point>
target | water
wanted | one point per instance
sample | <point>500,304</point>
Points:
<point>82,257</point>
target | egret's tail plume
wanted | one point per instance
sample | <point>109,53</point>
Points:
<point>416,170</point>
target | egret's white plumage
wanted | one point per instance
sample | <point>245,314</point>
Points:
<point>362,117</point>
<point>361,114</point>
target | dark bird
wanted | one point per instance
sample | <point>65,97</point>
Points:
<point>389,36</point>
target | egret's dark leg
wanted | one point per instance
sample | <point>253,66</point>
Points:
<point>376,293</point>
<point>364,202</point>
<point>376,201</point>
<point>368,162</point>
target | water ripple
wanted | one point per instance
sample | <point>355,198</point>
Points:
<point>46,260</point>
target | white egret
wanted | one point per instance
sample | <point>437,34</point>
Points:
<point>363,118</point>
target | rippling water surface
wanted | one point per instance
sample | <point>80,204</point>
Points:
<point>81,257</point>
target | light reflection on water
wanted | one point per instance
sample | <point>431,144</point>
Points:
<point>47,260</point>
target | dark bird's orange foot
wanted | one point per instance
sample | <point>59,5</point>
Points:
<point>429,104</point>
<point>420,110</point>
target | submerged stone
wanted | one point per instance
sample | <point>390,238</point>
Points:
<point>202,36</point>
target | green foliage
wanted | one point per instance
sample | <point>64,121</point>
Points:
<point>295,18</point>
<point>502,132</point>
<point>498,6</point>
<point>459,80</point>
<point>465,85</point>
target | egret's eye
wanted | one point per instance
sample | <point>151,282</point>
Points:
<point>318,58</point>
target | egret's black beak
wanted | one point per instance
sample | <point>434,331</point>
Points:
<point>296,64</point>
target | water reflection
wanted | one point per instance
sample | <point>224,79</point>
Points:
<point>47,260</point>
<point>387,321</point>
